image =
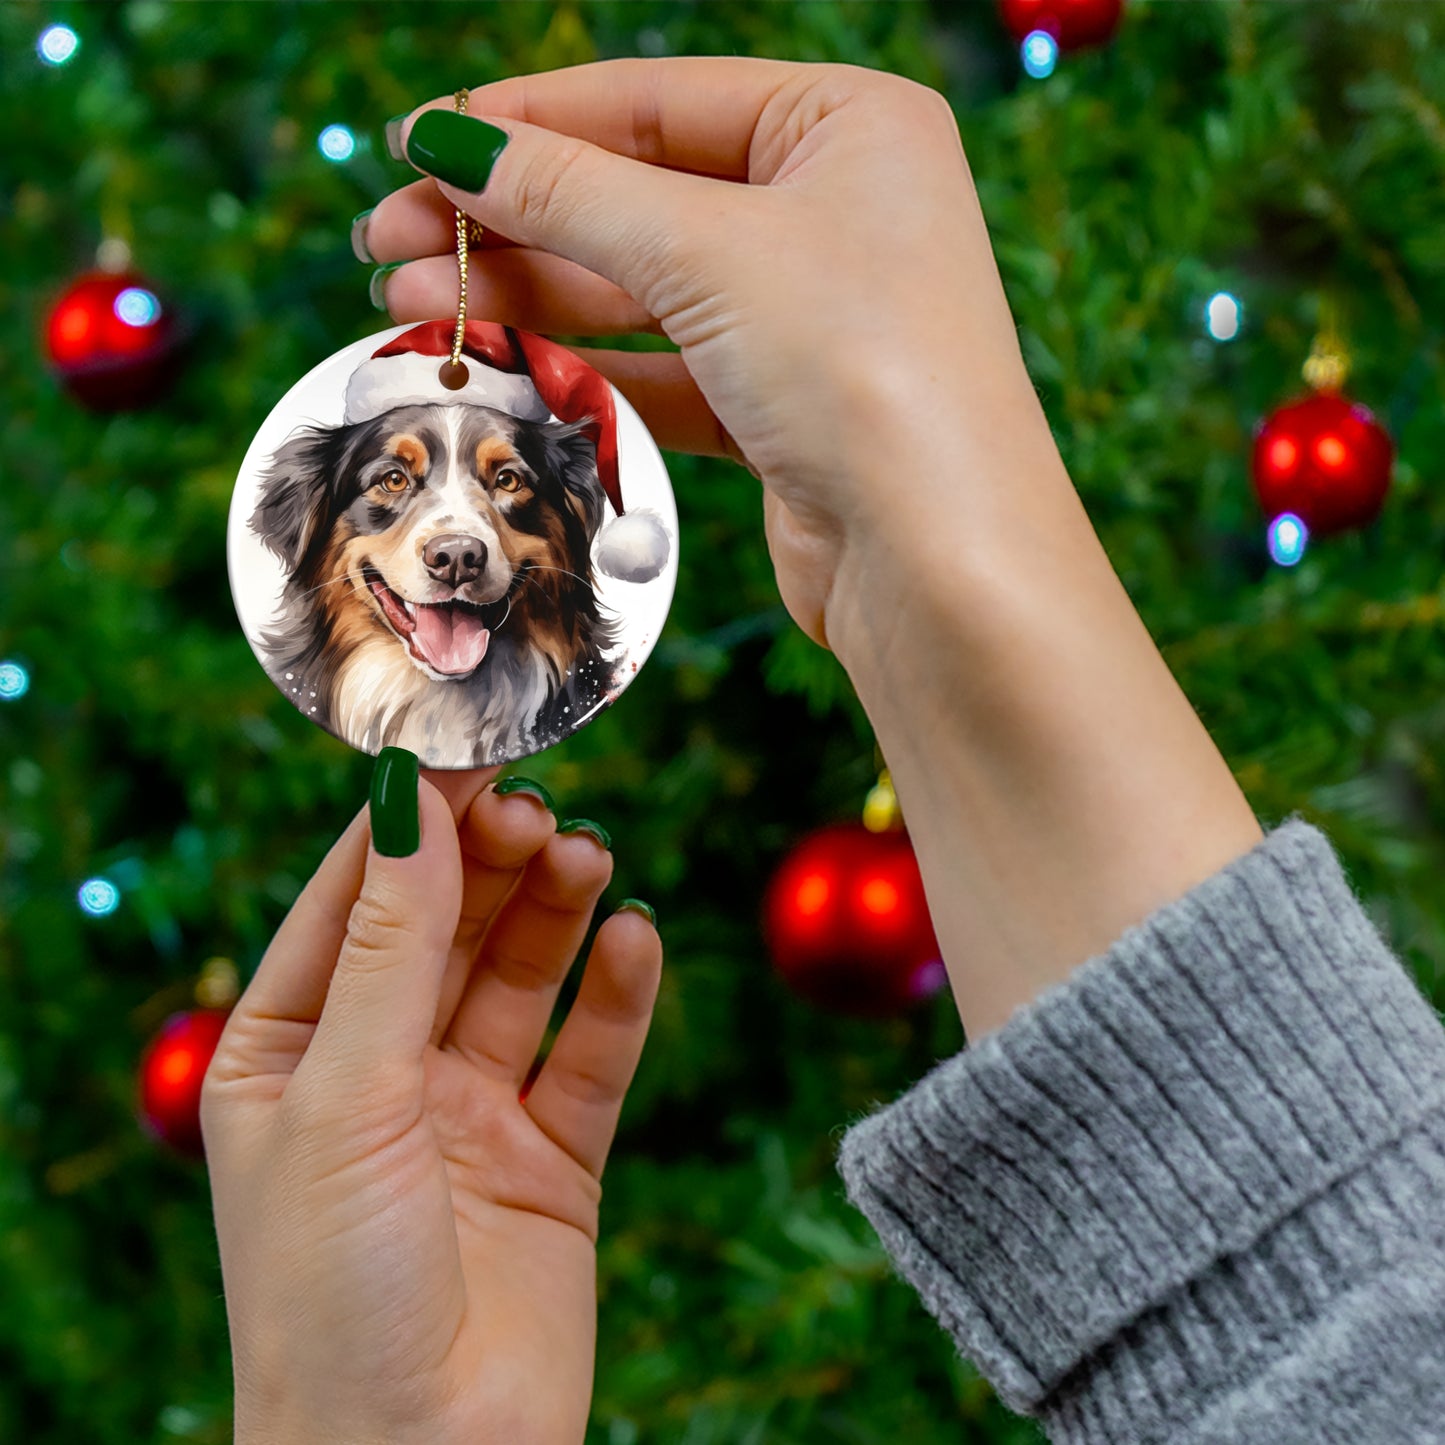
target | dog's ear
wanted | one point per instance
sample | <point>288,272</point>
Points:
<point>295,493</point>
<point>574,459</point>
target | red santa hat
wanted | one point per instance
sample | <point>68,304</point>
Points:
<point>527,377</point>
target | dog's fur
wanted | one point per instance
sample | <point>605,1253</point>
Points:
<point>350,509</point>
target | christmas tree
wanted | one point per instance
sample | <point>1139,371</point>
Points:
<point>161,803</point>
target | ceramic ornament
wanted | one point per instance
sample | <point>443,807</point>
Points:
<point>468,558</point>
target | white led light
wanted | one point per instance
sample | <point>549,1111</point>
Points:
<point>336,143</point>
<point>1040,53</point>
<point>1287,538</point>
<point>57,44</point>
<point>1223,316</point>
<point>137,306</point>
<point>98,897</point>
<point>14,681</point>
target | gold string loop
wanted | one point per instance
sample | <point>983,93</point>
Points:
<point>453,371</point>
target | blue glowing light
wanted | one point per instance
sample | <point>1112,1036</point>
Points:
<point>336,143</point>
<point>14,681</point>
<point>98,897</point>
<point>1223,316</point>
<point>137,307</point>
<point>1040,53</point>
<point>57,44</point>
<point>1287,538</point>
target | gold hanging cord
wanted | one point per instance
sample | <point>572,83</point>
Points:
<point>469,233</point>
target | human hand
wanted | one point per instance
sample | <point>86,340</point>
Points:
<point>811,238</point>
<point>408,1246</point>
<point>841,323</point>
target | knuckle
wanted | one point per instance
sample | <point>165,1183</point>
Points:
<point>908,99</point>
<point>587,1086</point>
<point>548,175</point>
<point>374,935</point>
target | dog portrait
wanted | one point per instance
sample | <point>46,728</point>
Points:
<point>444,556</point>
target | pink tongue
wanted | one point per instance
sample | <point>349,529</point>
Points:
<point>449,640</point>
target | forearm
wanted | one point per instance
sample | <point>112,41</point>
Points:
<point>1056,782</point>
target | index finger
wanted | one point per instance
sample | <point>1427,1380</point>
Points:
<point>687,113</point>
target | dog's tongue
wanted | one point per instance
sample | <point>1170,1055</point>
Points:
<point>449,640</point>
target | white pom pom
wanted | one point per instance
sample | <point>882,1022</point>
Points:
<point>633,547</point>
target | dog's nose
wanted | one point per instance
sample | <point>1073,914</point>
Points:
<point>455,559</point>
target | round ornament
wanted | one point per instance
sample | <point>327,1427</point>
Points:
<point>1073,24</point>
<point>847,923</point>
<point>171,1073</point>
<point>469,561</point>
<point>1326,460</point>
<point>111,341</point>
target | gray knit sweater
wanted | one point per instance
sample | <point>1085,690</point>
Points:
<point>1197,1192</point>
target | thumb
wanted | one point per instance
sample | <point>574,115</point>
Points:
<point>630,222</point>
<point>382,1000</point>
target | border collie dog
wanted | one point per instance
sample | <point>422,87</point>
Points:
<point>440,587</point>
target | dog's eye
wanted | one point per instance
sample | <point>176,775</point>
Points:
<point>508,480</point>
<point>395,481</point>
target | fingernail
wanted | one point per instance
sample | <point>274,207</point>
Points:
<point>395,809</point>
<point>532,789</point>
<point>359,248</point>
<point>377,287</point>
<point>455,148</point>
<point>393,137</point>
<point>636,905</point>
<point>586,825</point>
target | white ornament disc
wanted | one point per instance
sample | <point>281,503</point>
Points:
<point>469,571</point>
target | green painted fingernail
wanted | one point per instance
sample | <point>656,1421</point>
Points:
<point>636,905</point>
<point>455,148</point>
<point>393,136</point>
<point>377,289</point>
<point>395,809</point>
<point>528,786</point>
<point>586,825</point>
<point>359,248</point>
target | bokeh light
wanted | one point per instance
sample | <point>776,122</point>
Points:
<point>879,897</point>
<point>1288,536</point>
<point>1040,53</point>
<point>336,143</point>
<point>1223,316</point>
<point>812,896</point>
<point>14,681</point>
<point>137,307</point>
<point>98,897</point>
<point>57,44</point>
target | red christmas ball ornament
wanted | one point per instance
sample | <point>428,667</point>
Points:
<point>847,923</point>
<point>111,341</point>
<point>1074,24</point>
<point>1324,458</point>
<point>171,1072</point>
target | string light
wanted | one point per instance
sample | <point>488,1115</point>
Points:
<point>1223,316</point>
<point>14,681</point>
<point>57,44</point>
<point>1287,538</point>
<point>1040,54</point>
<point>137,307</point>
<point>336,143</point>
<point>98,897</point>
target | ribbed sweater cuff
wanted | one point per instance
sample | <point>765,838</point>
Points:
<point>1130,1154</point>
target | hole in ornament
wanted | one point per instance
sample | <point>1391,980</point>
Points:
<point>453,374</point>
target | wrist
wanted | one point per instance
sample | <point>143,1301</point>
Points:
<point>1057,783</point>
